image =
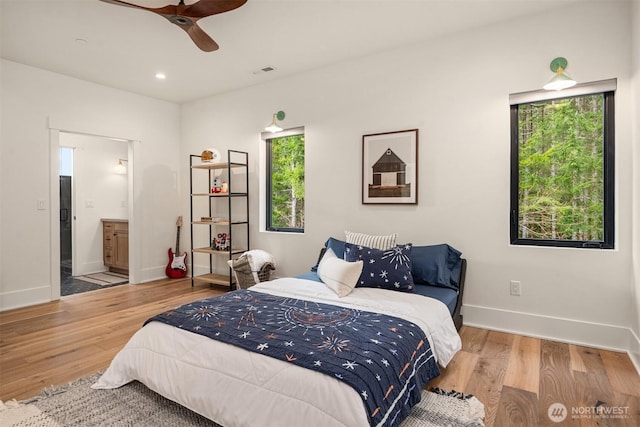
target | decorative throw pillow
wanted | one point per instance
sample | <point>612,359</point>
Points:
<point>387,269</point>
<point>339,275</point>
<point>369,241</point>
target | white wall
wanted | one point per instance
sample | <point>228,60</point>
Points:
<point>455,90</point>
<point>635,55</point>
<point>99,193</point>
<point>34,100</point>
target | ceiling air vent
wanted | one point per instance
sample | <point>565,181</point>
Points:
<point>264,69</point>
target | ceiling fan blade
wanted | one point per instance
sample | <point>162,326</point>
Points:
<point>168,10</point>
<point>200,38</point>
<point>124,3</point>
<point>204,8</point>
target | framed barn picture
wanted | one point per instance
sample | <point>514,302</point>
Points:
<point>390,168</point>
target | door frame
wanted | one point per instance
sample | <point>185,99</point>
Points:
<point>54,197</point>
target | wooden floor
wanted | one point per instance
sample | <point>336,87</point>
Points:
<point>517,378</point>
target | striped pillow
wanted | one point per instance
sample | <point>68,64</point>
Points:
<point>375,242</point>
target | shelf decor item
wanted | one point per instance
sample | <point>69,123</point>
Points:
<point>211,155</point>
<point>216,186</point>
<point>390,168</point>
<point>222,242</point>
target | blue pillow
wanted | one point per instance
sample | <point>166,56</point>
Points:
<point>436,265</point>
<point>387,269</point>
<point>337,246</point>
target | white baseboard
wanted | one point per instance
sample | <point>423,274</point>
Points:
<point>634,351</point>
<point>151,274</point>
<point>589,334</point>
<point>42,294</point>
<point>25,297</point>
<point>157,273</point>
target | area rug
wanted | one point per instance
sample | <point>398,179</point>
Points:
<point>76,404</point>
<point>106,278</point>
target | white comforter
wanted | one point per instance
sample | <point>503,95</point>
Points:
<point>235,387</point>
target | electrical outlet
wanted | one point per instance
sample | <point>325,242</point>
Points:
<point>514,288</point>
<point>42,204</point>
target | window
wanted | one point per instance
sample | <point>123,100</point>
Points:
<point>285,181</point>
<point>562,167</point>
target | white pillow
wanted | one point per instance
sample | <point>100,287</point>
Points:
<point>375,242</point>
<point>339,275</point>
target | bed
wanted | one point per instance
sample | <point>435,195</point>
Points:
<point>439,271</point>
<point>246,386</point>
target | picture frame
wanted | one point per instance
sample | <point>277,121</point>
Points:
<point>390,168</point>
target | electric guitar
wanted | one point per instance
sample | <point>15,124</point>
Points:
<point>177,267</point>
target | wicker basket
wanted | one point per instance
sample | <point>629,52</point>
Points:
<point>244,275</point>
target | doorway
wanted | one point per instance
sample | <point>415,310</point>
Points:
<point>66,242</point>
<point>92,190</point>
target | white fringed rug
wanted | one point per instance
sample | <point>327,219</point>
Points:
<point>79,405</point>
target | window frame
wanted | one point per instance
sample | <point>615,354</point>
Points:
<point>267,137</point>
<point>605,87</point>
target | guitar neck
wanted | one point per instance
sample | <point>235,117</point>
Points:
<point>178,240</point>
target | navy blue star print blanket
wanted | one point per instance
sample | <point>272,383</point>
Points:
<point>386,359</point>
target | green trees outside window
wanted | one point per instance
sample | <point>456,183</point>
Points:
<point>562,172</point>
<point>285,183</point>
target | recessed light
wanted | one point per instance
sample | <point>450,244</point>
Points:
<point>161,76</point>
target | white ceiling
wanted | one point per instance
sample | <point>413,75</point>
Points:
<point>124,48</point>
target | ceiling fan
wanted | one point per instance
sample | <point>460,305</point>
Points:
<point>186,16</point>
